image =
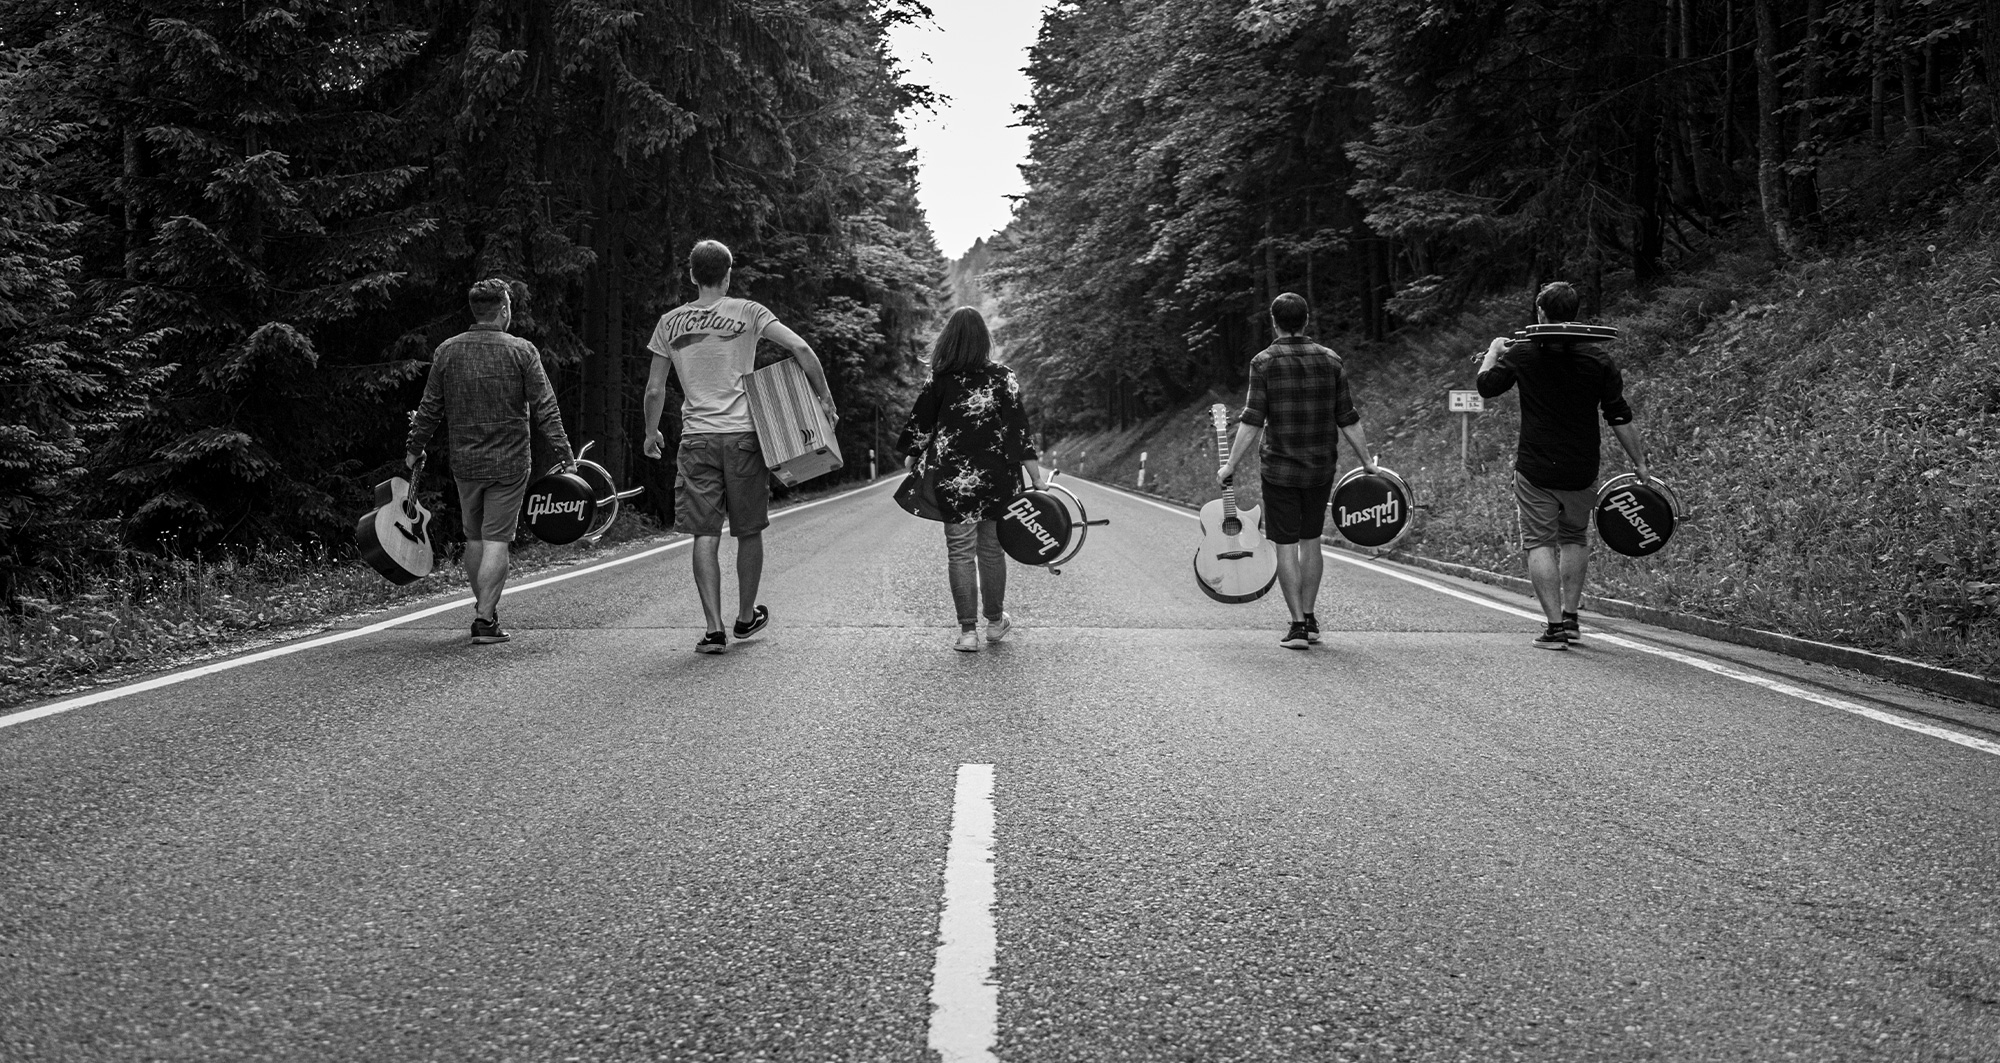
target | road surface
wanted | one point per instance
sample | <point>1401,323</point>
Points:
<point>1140,829</point>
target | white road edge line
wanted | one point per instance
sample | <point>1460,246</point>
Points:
<point>1918,726</point>
<point>964,997</point>
<point>173,678</point>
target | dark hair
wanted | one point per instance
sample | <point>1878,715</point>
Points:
<point>1557,300</point>
<point>963,345</point>
<point>1289,312</point>
<point>488,297</point>
<point>709,262</point>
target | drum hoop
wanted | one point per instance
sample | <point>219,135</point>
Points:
<point>1627,479</point>
<point>1079,525</point>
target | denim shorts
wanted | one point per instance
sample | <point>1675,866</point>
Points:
<point>1550,517</point>
<point>721,474</point>
<point>490,509</point>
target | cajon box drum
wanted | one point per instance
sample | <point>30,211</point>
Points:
<point>792,427</point>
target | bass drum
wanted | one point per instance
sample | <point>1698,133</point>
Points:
<point>560,508</point>
<point>1636,518</point>
<point>1370,509</point>
<point>1045,528</point>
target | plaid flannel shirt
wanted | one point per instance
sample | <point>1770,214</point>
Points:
<point>1298,395</point>
<point>490,390</point>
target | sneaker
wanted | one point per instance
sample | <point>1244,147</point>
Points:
<point>1572,631</point>
<point>968,642</point>
<point>758,618</point>
<point>1296,637</point>
<point>713,642</point>
<point>1312,629</point>
<point>997,630</point>
<point>486,631</point>
<point>1554,637</point>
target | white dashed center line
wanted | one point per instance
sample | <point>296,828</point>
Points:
<point>964,998</point>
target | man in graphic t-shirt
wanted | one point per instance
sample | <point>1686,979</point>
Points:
<point>711,345</point>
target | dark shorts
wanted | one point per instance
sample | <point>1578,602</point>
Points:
<point>489,509</point>
<point>1295,513</point>
<point>1550,517</point>
<point>721,474</point>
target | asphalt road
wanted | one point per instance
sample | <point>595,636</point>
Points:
<point>1422,840</point>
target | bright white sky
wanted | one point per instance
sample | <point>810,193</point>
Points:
<point>969,150</point>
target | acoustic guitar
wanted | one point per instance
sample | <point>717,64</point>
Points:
<point>1235,563</point>
<point>395,536</point>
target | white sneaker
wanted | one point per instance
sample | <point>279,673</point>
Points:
<point>968,642</point>
<point>1001,628</point>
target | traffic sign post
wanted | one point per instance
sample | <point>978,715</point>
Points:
<point>1465,404</point>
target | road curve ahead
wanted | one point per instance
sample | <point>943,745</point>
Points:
<point>1137,830</point>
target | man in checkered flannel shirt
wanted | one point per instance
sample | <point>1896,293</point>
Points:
<point>1298,406</point>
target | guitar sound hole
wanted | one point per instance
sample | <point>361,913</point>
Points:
<point>1232,527</point>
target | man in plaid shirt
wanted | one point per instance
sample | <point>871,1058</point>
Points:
<point>490,388</point>
<point>1298,406</point>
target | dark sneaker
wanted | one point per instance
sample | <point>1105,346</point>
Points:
<point>1571,629</point>
<point>485,631</point>
<point>1312,629</point>
<point>713,642</point>
<point>758,618</point>
<point>1295,636</point>
<point>1554,637</point>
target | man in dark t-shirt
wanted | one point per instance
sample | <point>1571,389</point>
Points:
<point>1564,383</point>
<point>1298,405</point>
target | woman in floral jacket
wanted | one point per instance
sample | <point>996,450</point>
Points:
<point>967,442</point>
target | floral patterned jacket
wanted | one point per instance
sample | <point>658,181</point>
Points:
<point>969,433</point>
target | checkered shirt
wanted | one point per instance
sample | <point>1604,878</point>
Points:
<point>1298,395</point>
<point>489,388</point>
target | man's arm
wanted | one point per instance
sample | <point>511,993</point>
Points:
<point>424,421</point>
<point>543,413</point>
<point>1499,382</point>
<point>1358,439</point>
<point>656,404</point>
<point>1247,435</point>
<point>1628,437</point>
<point>792,341</point>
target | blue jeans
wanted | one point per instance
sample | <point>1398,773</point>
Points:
<point>976,564</point>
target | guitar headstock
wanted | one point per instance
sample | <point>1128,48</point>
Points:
<point>1218,415</point>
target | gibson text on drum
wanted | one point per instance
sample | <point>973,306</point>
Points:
<point>1023,510</point>
<point>1382,515</point>
<point>1627,505</point>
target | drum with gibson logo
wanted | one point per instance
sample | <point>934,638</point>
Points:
<point>1371,510</point>
<point>564,507</point>
<point>1045,528</point>
<point>1635,517</point>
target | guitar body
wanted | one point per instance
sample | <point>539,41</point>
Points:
<point>1235,563</point>
<point>395,536</point>
<point>1234,566</point>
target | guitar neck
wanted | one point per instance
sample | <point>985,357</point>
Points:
<point>410,500</point>
<point>1228,490</point>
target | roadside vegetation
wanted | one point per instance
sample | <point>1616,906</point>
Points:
<point>148,613</point>
<point>1832,429</point>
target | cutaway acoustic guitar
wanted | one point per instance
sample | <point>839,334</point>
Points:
<point>1235,563</point>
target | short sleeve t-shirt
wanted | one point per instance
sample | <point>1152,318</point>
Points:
<point>712,348</point>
